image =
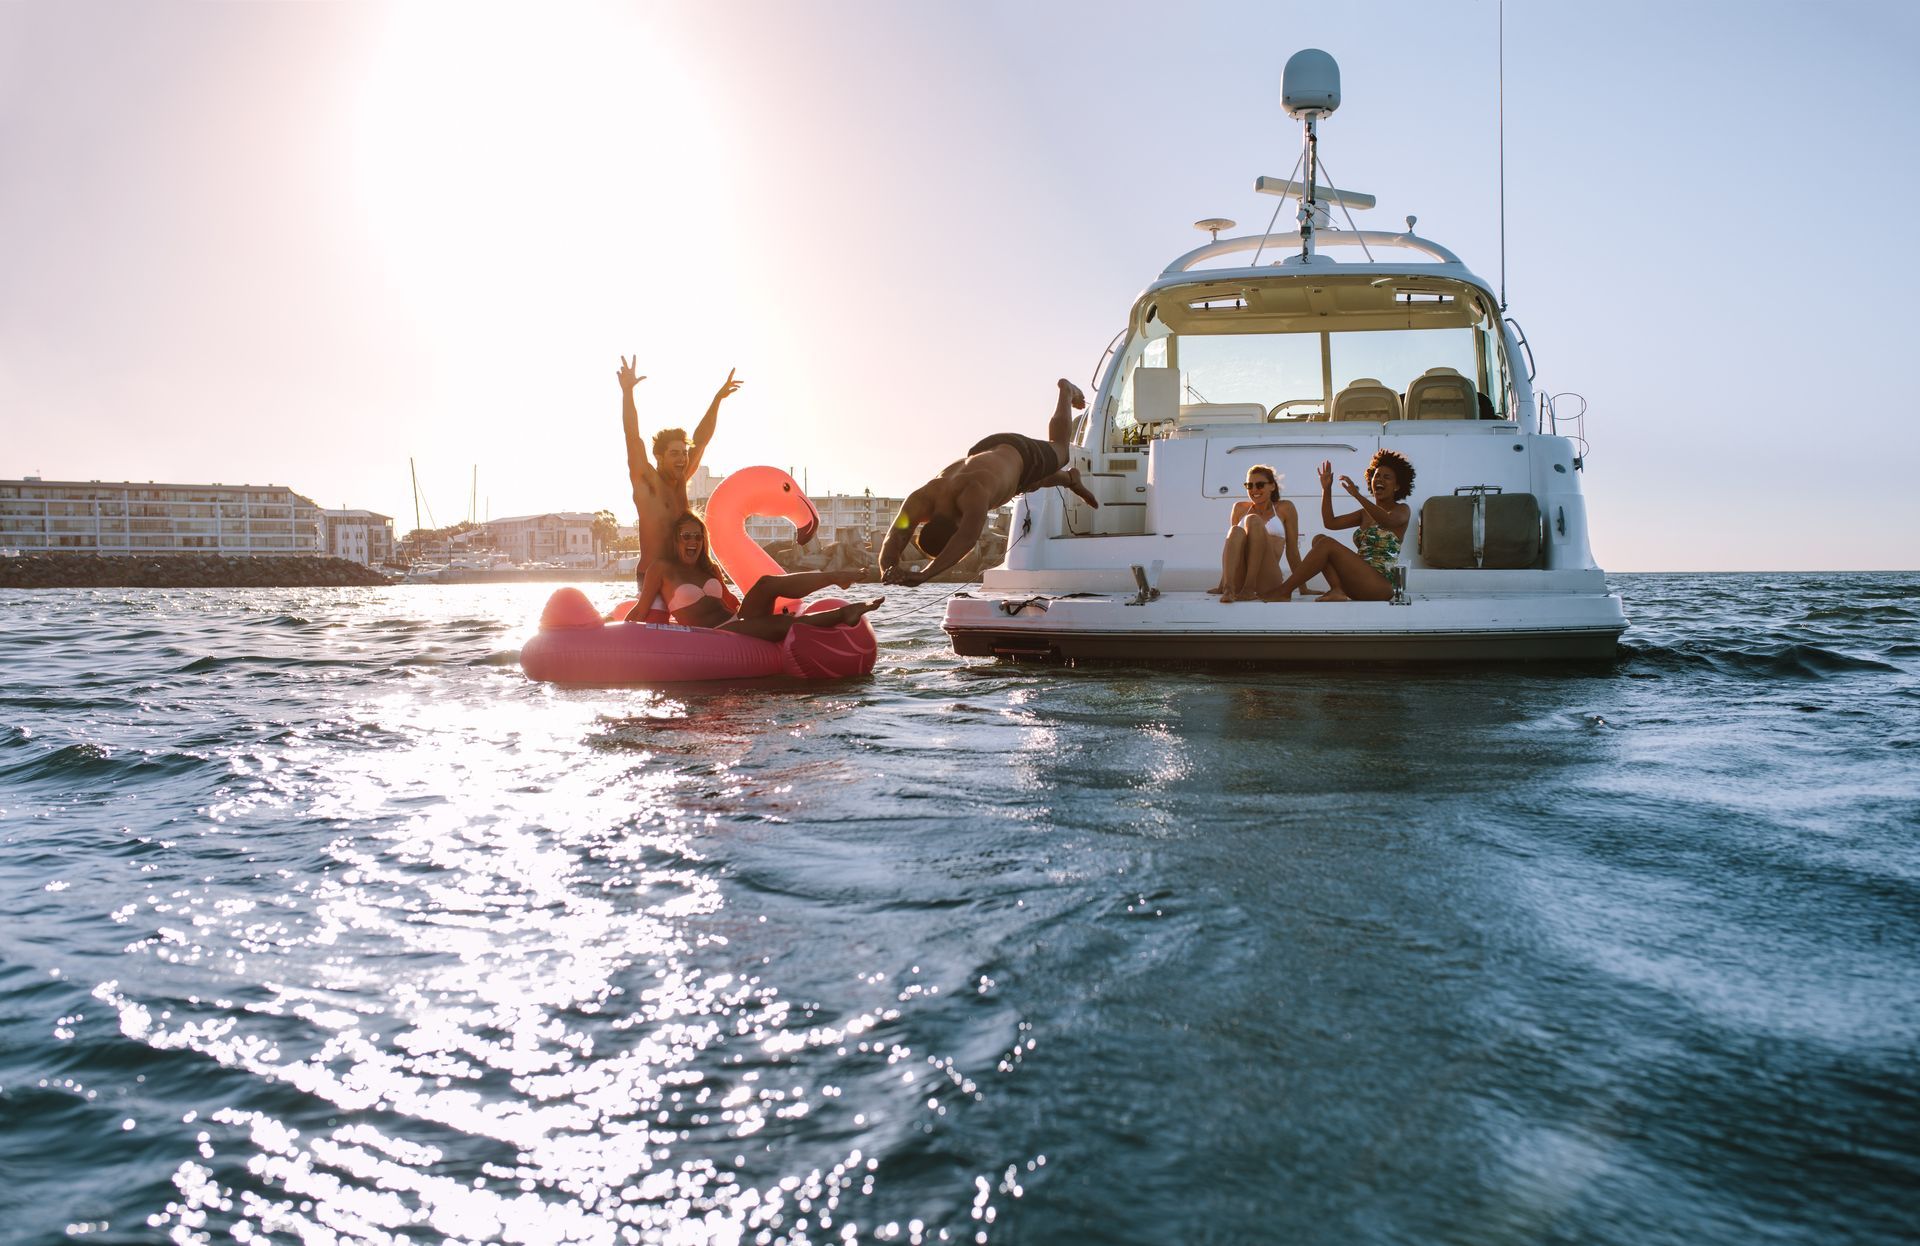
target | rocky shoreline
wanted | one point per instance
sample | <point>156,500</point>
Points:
<point>183,571</point>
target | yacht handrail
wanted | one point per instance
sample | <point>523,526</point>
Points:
<point>1327,238</point>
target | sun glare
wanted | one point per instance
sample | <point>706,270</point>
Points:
<point>534,179</point>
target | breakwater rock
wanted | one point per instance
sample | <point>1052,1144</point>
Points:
<point>182,571</point>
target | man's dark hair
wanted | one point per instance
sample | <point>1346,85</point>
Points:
<point>666,437</point>
<point>934,535</point>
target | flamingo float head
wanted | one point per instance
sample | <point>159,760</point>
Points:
<point>743,494</point>
<point>764,491</point>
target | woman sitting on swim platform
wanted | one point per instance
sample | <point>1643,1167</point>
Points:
<point>1360,573</point>
<point>1264,527</point>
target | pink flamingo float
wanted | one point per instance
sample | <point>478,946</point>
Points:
<point>577,645</point>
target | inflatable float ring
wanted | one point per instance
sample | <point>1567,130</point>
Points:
<point>577,645</point>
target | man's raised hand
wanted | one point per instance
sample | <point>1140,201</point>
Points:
<point>728,390</point>
<point>629,373</point>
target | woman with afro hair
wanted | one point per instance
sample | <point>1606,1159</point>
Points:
<point>1360,573</point>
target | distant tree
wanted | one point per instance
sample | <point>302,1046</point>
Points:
<point>419,535</point>
<point>606,530</point>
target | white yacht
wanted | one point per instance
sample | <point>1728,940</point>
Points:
<point>1264,349</point>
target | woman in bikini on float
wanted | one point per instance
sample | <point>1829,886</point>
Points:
<point>691,585</point>
<point>1360,573</point>
<point>1264,526</point>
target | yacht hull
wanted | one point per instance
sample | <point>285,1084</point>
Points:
<point>1196,628</point>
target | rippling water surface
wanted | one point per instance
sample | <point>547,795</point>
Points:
<point>323,925</point>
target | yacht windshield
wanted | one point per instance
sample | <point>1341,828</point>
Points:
<point>1418,348</point>
<point>1295,374</point>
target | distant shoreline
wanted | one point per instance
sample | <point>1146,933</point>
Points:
<point>184,571</point>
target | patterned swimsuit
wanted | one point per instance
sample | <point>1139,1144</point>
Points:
<point>1378,546</point>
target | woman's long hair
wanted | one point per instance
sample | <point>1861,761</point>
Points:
<point>705,561</point>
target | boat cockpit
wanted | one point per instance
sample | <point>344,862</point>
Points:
<point>1241,348</point>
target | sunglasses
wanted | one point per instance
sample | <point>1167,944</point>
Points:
<point>1259,484</point>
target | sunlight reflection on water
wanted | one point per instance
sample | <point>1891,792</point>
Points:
<point>510,941</point>
<point>396,946</point>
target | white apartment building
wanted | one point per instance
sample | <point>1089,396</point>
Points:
<point>564,537</point>
<point>363,536</point>
<point>841,515</point>
<point>93,517</point>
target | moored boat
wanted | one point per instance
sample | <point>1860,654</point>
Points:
<point>1264,349</point>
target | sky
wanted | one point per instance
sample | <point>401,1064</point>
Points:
<point>304,244</point>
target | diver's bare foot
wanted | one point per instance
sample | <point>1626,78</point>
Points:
<point>1333,595</point>
<point>1216,590</point>
<point>1074,396</point>
<point>1073,482</point>
<point>1228,597</point>
<point>1276,595</point>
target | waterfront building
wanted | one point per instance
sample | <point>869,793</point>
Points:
<point>700,487</point>
<point>124,517</point>
<point>841,516</point>
<point>362,536</point>
<point>564,537</point>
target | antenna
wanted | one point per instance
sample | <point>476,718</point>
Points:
<point>1310,90</point>
<point>1213,225</point>
<point>1502,96</point>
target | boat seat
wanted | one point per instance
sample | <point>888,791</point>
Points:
<point>1366,399</point>
<point>1220,413</point>
<point>1156,394</point>
<point>1442,394</point>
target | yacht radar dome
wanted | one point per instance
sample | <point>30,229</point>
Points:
<point>1213,225</point>
<point>1310,85</point>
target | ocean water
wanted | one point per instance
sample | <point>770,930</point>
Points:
<point>323,925</point>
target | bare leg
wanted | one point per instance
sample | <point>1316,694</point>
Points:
<point>1070,479</point>
<point>1353,573</point>
<point>1060,427</point>
<point>772,627</point>
<point>1233,564</point>
<point>1357,578</point>
<point>1230,557</point>
<point>775,627</point>
<point>1263,559</point>
<point>758,603</point>
<point>839,615</point>
<point>1315,563</point>
<point>1330,573</point>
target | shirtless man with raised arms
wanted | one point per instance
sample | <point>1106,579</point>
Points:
<point>946,516</point>
<point>660,486</point>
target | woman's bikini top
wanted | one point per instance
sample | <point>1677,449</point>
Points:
<point>685,595</point>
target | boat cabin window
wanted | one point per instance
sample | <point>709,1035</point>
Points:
<point>1230,351</point>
